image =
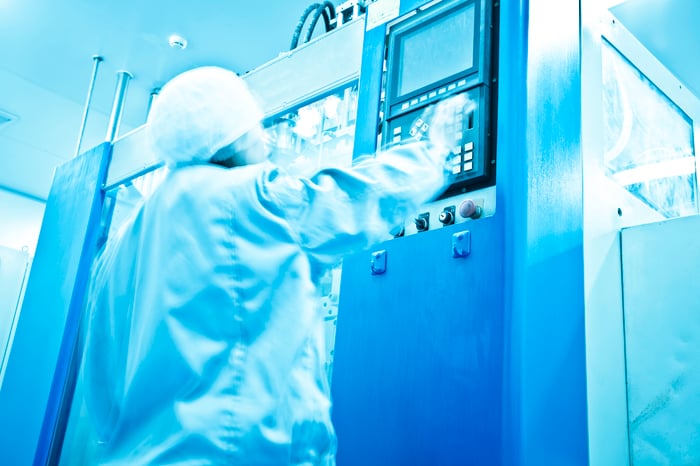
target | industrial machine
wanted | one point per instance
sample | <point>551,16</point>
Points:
<point>421,316</point>
<point>497,326</point>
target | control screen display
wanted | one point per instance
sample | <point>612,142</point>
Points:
<point>436,51</point>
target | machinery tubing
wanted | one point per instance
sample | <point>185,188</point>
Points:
<point>96,63</point>
<point>123,78</point>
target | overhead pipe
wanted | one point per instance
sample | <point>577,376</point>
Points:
<point>123,78</point>
<point>97,59</point>
<point>151,100</point>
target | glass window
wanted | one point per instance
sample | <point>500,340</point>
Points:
<point>649,148</point>
<point>316,135</point>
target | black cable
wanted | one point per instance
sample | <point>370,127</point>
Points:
<point>328,18</point>
<point>327,5</point>
<point>300,24</point>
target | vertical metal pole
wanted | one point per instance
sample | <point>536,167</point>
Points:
<point>123,78</point>
<point>97,59</point>
<point>151,99</point>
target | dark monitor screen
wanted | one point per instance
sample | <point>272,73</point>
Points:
<point>441,49</point>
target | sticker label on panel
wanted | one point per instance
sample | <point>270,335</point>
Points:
<point>381,11</point>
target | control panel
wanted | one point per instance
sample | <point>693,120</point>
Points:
<point>467,162</point>
<point>437,51</point>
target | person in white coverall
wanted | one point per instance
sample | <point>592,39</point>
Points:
<point>204,344</point>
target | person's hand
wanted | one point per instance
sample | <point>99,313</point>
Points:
<point>442,122</point>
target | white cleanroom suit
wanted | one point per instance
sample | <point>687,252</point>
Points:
<point>204,345</point>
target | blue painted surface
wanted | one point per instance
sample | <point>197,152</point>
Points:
<point>54,289</point>
<point>417,368</point>
<point>542,192</point>
<point>414,381</point>
<point>369,88</point>
<point>511,181</point>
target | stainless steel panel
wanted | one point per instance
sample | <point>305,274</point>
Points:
<point>310,70</point>
<point>660,264</point>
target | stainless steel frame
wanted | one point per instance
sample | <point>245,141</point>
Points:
<point>607,209</point>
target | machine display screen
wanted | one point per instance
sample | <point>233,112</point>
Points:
<point>442,49</point>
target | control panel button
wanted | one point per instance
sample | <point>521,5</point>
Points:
<point>422,221</point>
<point>469,209</point>
<point>447,216</point>
<point>456,170</point>
<point>469,146</point>
<point>468,166</point>
<point>468,156</point>
<point>397,231</point>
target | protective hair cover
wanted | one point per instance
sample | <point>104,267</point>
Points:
<point>198,112</point>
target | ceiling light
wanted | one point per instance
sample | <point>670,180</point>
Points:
<point>177,42</point>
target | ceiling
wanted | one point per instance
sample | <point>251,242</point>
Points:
<point>46,65</point>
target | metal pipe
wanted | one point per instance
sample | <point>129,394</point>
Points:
<point>96,59</point>
<point>123,78</point>
<point>151,100</point>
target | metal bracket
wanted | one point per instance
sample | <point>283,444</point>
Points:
<point>462,244</point>
<point>378,262</point>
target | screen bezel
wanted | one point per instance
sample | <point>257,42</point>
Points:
<point>425,20</point>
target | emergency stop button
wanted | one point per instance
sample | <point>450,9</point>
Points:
<point>469,209</point>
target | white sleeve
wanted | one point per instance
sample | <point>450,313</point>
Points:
<point>337,211</point>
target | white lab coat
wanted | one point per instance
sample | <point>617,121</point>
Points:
<point>204,345</point>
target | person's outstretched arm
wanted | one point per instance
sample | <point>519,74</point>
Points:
<point>340,210</point>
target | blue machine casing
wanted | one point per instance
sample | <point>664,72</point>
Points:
<point>418,359</point>
<point>51,310</point>
<point>479,360</point>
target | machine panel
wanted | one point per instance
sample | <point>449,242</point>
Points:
<point>434,53</point>
<point>418,361</point>
<point>662,337</point>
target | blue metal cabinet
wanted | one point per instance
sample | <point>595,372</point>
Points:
<point>479,360</point>
<point>419,351</point>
